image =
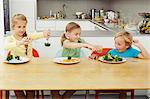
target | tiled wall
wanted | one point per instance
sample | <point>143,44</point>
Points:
<point>72,6</point>
<point>131,8</point>
<point>128,8</point>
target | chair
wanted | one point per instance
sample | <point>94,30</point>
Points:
<point>36,54</point>
<point>97,92</point>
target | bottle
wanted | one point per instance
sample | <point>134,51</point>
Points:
<point>102,13</point>
<point>50,13</point>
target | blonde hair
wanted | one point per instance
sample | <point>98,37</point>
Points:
<point>16,18</point>
<point>70,26</point>
<point>126,36</point>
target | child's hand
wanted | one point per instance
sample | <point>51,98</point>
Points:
<point>98,48</point>
<point>136,42</point>
<point>47,34</point>
<point>24,41</point>
<point>90,47</point>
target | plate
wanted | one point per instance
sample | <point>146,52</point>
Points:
<point>64,60</point>
<point>15,61</point>
<point>112,62</point>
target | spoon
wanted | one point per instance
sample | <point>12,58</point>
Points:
<point>47,44</point>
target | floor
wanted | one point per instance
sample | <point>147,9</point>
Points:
<point>92,97</point>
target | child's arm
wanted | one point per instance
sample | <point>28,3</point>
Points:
<point>11,43</point>
<point>44,34</point>
<point>144,53</point>
<point>68,44</point>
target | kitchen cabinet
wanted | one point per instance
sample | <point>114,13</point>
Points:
<point>44,25</point>
<point>60,25</point>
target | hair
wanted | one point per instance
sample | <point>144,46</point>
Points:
<point>126,36</point>
<point>70,26</point>
<point>15,19</point>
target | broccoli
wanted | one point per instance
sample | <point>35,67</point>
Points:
<point>47,44</point>
<point>10,57</point>
<point>69,57</point>
<point>17,57</point>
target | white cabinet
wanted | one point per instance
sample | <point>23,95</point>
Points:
<point>26,7</point>
<point>60,25</point>
<point>44,25</point>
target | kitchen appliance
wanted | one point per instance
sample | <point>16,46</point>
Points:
<point>79,15</point>
<point>95,13</point>
<point>144,25</point>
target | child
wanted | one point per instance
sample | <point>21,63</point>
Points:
<point>123,44</point>
<point>19,43</point>
<point>72,43</point>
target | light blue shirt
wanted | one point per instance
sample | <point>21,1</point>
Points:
<point>130,52</point>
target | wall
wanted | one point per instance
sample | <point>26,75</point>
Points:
<point>26,7</point>
<point>131,8</point>
<point>1,19</point>
<point>72,6</point>
<point>1,27</point>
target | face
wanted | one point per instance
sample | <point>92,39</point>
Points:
<point>74,35</point>
<point>120,44</point>
<point>20,28</point>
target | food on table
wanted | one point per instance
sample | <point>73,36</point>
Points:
<point>10,57</point>
<point>47,44</point>
<point>115,58</point>
<point>17,57</point>
<point>70,59</point>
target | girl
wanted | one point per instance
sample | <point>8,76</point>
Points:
<point>19,43</point>
<point>123,44</point>
<point>72,43</point>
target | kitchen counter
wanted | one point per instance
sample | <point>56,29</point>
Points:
<point>110,29</point>
<point>114,28</point>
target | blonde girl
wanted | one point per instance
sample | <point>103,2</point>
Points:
<point>20,44</point>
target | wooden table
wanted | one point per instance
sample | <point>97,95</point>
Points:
<point>43,74</point>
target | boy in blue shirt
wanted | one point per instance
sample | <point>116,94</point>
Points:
<point>123,47</point>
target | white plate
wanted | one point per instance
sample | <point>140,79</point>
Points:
<point>15,61</point>
<point>112,62</point>
<point>64,60</point>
